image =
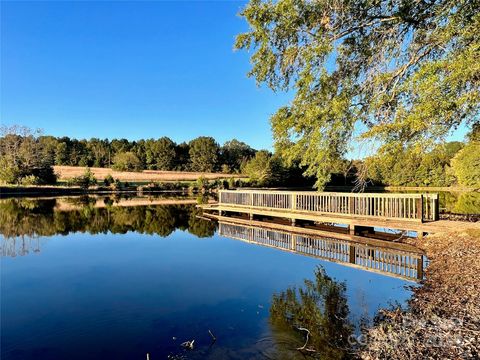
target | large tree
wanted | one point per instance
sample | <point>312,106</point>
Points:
<point>234,153</point>
<point>404,72</point>
<point>24,158</point>
<point>204,152</point>
<point>160,154</point>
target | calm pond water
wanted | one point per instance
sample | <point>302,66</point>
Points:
<point>84,278</point>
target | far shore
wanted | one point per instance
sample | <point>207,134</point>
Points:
<point>66,173</point>
<point>182,187</point>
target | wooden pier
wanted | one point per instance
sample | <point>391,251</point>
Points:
<point>358,211</point>
<point>395,260</point>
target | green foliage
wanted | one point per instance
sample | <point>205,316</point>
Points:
<point>467,203</point>
<point>414,166</point>
<point>86,180</point>
<point>10,173</point>
<point>109,180</point>
<point>226,169</point>
<point>466,165</point>
<point>25,157</point>
<point>474,134</point>
<point>233,154</point>
<point>126,161</point>
<point>406,72</point>
<point>182,161</point>
<point>202,184</point>
<point>264,169</point>
<point>155,154</point>
<point>204,154</point>
<point>160,154</point>
<point>30,180</point>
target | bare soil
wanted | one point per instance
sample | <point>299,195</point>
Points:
<point>443,319</point>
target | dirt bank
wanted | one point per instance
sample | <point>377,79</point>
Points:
<point>443,319</point>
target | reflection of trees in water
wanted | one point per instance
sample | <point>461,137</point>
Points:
<point>21,217</point>
<point>319,306</point>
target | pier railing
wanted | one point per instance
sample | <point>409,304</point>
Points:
<point>403,264</point>
<point>419,207</point>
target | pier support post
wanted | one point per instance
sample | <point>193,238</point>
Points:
<point>364,229</point>
<point>351,229</point>
<point>351,254</point>
<point>251,216</point>
<point>420,268</point>
<point>293,222</point>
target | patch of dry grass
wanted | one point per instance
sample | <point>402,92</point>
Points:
<point>69,172</point>
<point>443,321</point>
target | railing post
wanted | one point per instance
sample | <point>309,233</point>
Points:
<point>251,199</point>
<point>351,205</point>
<point>420,208</point>
<point>436,207</point>
<point>294,201</point>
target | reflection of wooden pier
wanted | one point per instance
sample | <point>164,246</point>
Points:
<point>19,246</point>
<point>401,261</point>
<point>358,211</point>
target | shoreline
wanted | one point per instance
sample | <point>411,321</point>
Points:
<point>455,189</point>
<point>38,191</point>
<point>443,315</point>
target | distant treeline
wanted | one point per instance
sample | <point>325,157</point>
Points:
<point>202,154</point>
<point>27,158</point>
<point>446,164</point>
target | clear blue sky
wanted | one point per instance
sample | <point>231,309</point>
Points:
<point>132,70</point>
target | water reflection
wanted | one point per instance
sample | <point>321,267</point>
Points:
<point>22,221</point>
<point>94,293</point>
<point>396,261</point>
<point>315,316</point>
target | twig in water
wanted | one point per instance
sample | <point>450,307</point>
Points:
<point>188,344</point>
<point>306,341</point>
<point>211,334</point>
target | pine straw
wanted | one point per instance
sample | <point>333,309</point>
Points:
<point>443,319</point>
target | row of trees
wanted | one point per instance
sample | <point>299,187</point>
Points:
<point>27,158</point>
<point>445,164</point>
<point>201,154</point>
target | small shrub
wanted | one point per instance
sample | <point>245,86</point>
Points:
<point>202,184</point>
<point>86,180</point>
<point>29,180</point>
<point>109,180</point>
<point>226,169</point>
<point>225,184</point>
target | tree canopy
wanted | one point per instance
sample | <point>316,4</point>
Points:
<point>466,165</point>
<point>404,72</point>
<point>204,153</point>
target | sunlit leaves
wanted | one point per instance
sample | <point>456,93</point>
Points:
<point>407,70</point>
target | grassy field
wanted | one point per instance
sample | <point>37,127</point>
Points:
<point>68,172</point>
